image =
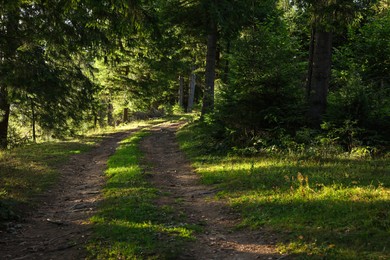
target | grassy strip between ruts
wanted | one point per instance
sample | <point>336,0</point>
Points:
<point>129,225</point>
<point>322,207</point>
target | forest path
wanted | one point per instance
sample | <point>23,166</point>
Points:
<point>180,187</point>
<point>58,228</point>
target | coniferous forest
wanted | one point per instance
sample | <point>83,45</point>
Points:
<point>303,81</point>
<point>263,72</point>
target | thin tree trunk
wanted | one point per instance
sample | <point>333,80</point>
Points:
<point>319,83</point>
<point>310,64</point>
<point>102,112</point>
<point>125,115</point>
<point>95,117</point>
<point>4,117</point>
<point>208,95</point>
<point>110,118</point>
<point>181,91</point>
<point>33,120</point>
<point>191,91</point>
<point>226,69</point>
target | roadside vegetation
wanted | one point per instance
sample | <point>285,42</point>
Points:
<point>322,201</point>
<point>129,224</point>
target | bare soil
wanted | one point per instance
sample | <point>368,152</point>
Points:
<point>181,188</point>
<point>59,227</point>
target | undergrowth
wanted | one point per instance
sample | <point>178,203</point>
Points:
<point>129,224</point>
<point>323,204</point>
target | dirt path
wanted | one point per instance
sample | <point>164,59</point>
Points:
<point>59,228</point>
<point>173,175</point>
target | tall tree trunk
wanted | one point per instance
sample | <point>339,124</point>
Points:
<point>4,117</point>
<point>110,117</point>
<point>310,65</point>
<point>33,120</point>
<point>226,68</point>
<point>181,91</point>
<point>208,95</point>
<point>95,117</point>
<point>320,77</point>
<point>125,115</point>
<point>7,54</point>
<point>191,91</point>
<point>102,114</point>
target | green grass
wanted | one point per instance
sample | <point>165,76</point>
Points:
<point>129,224</point>
<point>322,207</point>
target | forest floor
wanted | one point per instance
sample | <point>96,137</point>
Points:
<point>59,228</point>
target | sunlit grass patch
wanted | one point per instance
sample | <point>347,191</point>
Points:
<point>129,224</point>
<point>322,207</point>
<point>122,127</point>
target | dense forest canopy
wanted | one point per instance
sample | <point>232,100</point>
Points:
<point>260,72</point>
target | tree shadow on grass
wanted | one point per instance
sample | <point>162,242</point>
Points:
<point>326,227</point>
<point>130,225</point>
<point>148,240</point>
<point>332,208</point>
